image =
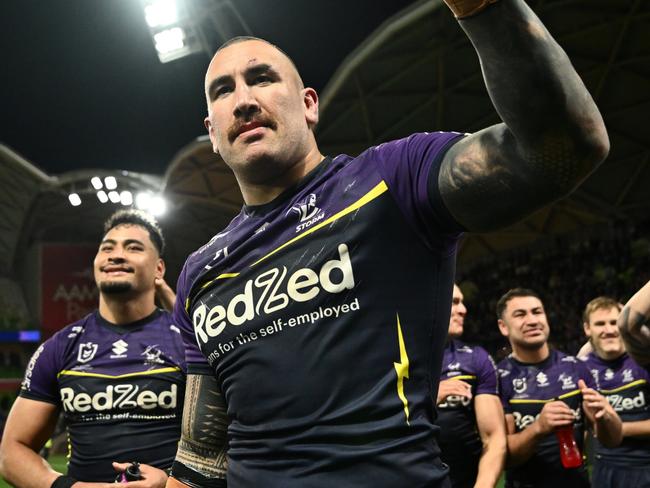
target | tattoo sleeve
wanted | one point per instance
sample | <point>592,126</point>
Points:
<point>635,333</point>
<point>204,443</point>
<point>552,135</point>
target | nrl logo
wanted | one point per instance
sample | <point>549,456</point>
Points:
<point>87,351</point>
<point>519,384</point>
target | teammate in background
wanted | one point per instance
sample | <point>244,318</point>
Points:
<point>543,389</point>
<point>118,374</point>
<point>625,384</point>
<point>633,323</point>
<point>472,431</point>
<point>305,369</point>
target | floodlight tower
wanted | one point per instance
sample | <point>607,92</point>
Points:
<point>180,28</point>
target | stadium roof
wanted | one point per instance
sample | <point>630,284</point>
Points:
<point>417,72</point>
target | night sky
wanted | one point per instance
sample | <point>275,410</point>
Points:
<point>82,86</point>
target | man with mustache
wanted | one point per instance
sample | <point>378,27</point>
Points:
<point>315,322</point>
<point>626,386</point>
<point>543,390</point>
<point>117,375</point>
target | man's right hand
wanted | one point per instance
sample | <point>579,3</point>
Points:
<point>453,388</point>
<point>553,415</point>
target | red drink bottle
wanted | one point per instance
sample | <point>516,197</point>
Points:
<point>569,452</point>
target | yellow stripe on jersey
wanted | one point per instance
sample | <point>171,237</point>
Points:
<point>67,372</point>
<point>367,198</point>
<point>561,397</point>
<point>624,387</point>
<point>402,370</point>
<point>462,377</point>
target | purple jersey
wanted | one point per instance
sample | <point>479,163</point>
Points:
<point>120,388</point>
<point>317,313</point>
<point>459,439</point>
<point>524,389</point>
<point>625,384</point>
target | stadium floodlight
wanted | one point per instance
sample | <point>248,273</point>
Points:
<point>96,181</point>
<point>159,13</point>
<point>154,204</point>
<point>174,28</point>
<point>102,196</point>
<point>75,199</point>
<point>157,206</point>
<point>126,198</point>
<point>142,200</point>
<point>114,196</point>
<point>170,40</point>
<point>110,182</point>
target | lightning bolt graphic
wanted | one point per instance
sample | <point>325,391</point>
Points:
<point>402,370</point>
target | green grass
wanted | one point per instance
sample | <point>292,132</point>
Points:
<point>58,462</point>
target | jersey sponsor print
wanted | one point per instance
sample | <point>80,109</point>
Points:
<point>315,328</point>
<point>525,389</point>
<point>120,390</point>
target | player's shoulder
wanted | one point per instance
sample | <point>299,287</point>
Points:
<point>73,331</point>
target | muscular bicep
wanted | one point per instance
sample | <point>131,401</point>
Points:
<point>30,422</point>
<point>489,416</point>
<point>488,181</point>
<point>204,443</point>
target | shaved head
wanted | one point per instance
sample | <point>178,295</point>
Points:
<point>240,39</point>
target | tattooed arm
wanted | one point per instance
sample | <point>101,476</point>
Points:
<point>552,136</point>
<point>633,324</point>
<point>201,457</point>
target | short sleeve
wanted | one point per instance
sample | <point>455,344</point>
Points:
<point>407,165</point>
<point>196,363</point>
<point>40,381</point>
<point>487,381</point>
<point>505,389</point>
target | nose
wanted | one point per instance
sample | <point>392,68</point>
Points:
<point>116,255</point>
<point>462,310</point>
<point>611,328</point>
<point>246,104</point>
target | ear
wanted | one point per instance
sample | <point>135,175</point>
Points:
<point>587,329</point>
<point>211,134</point>
<point>160,268</point>
<point>503,328</point>
<point>310,99</point>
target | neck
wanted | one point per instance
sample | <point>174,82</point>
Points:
<point>266,191</point>
<point>609,356</point>
<point>530,355</point>
<point>125,310</point>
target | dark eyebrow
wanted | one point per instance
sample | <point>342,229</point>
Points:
<point>251,72</point>
<point>126,242</point>
<point>133,241</point>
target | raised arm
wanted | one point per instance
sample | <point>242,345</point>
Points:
<point>29,425</point>
<point>552,136</point>
<point>201,457</point>
<point>633,324</point>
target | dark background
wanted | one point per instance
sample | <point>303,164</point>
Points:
<point>82,87</point>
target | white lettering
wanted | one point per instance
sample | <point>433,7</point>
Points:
<point>335,276</point>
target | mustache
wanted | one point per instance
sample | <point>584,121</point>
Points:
<point>259,120</point>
